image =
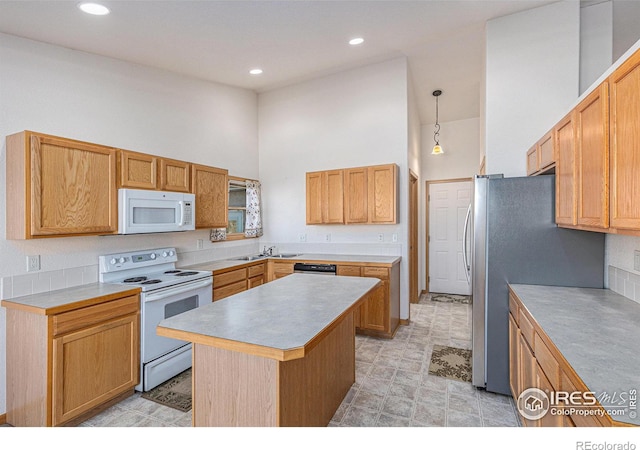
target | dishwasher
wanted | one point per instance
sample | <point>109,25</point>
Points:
<point>315,269</point>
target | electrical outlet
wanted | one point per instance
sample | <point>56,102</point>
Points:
<point>636,260</point>
<point>327,237</point>
<point>33,263</point>
<point>380,237</point>
<point>302,237</point>
<point>394,237</point>
<point>200,244</point>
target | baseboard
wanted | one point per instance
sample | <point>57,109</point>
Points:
<point>3,419</point>
<point>405,321</point>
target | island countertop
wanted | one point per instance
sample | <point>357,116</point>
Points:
<point>281,320</point>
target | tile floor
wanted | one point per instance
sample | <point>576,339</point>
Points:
<point>392,388</point>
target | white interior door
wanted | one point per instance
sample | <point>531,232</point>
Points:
<point>448,203</point>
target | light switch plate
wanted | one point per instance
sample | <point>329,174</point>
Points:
<point>381,237</point>
<point>200,244</point>
<point>636,260</point>
<point>302,237</point>
<point>394,237</point>
<point>33,263</point>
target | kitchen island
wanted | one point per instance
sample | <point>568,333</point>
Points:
<point>281,354</point>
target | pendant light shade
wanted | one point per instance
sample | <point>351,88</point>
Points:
<point>437,149</point>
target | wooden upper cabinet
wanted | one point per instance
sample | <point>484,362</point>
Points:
<point>356,195</point>
<point>625,144</point>
<point>382,187</point>
<point>325,197</point>
<point>314,198</point>
<point>532,160</point>
<point>565,145</point>
<point>174,175</point>
<point>210,186</point>
<point>592,117</point>
<point>59,187</point>
<point>137,170</point>
<point>541,157</point>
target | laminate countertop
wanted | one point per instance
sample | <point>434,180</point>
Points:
<point>280,319</point>
<point>68,299</point>
<point>596,330</point>
<point>375,260</point>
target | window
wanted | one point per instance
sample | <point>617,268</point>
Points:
<point>237,208</point>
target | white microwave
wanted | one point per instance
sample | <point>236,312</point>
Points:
<point>142,211</point>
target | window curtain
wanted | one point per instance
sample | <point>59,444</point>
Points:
<point>253,220</point>
<point>218,234</point>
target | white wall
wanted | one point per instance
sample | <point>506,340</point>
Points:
<point>532,77</point>
<point>72,94</point>
<point>460,141</point>
<point>596,42</point>
<point>350,119</point>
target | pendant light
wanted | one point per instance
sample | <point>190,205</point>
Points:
<point>437,150</point>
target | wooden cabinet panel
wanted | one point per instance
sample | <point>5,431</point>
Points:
<point>532,160</point>
<point>226,291</point>
<point>579,420</point>
<point>547,362</point>
<point>376,272</point>
<point>255,281</point>
<point>514,357</point>
<point>528,373</point>
<point>544,384</point>
<point>256,270</point>
<point>593,158</point>
<point>375,311</point>
<point>333,197</point>
<point>93,365</point>
<point>277,269</point>
<point>314,198</point>
<point>223,279</point>
<point>210,186</point>
<point>625,143</point>
<point>349,271</point>
<point>174,175</point>
<point>137,170</point>
<point>565,143</point>
<point>382,188</point>
<point>356,195</point>
<point>546,154</point>
<point>91,315</point>
<point>526,328</point>
<point>59,187</point>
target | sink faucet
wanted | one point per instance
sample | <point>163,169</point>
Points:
<point>268,251</point>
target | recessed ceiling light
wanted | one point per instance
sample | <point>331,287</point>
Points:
<point>94,8</point>
<point>356,41</point>
<point>255,71</point>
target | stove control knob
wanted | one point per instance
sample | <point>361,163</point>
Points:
<point>113,261</point>
<point>152,256</point>
<point>121,260</point>
<point>171,253</point>
<point>165,254</point>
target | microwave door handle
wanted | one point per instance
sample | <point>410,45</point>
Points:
<point>181,203</point>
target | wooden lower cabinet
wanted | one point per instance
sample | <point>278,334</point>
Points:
<point>379,315</point>
<point>230,282</point>
<point>63,368</point>
<point>277,269</point>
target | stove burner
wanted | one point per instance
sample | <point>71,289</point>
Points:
<point>151,282</point>
<point>186,274</point>
<point>134,280</point>
<point>173,271</point>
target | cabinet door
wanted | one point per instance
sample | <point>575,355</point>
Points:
<point>93,365</point>
<point>332,197</point>
<point>592,122</point>
<point>174,175</point>
<point>381,183</point>
<point>532,160</point>
<point>528,372</point>
<point>356,195</point>
<point>548,420</point>
<point>210,186</point>
<point>374,311</point>
<point>314,198</point>
<point>566,179</point>
<point>137,170</point>
<point>546,154</point>
<point>514,356</point>
<point>625,142</point>
<point>73,187</point>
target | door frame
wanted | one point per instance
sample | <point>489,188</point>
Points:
<point>426,231</point>
<point>414,237</point>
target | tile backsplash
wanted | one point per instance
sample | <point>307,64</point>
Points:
<point>624,283</point>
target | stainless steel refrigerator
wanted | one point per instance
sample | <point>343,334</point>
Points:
<point>511,237</point>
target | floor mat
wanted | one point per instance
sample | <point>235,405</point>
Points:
<point>451,298</point>
<point>451,362</point>
<point>174,393</point>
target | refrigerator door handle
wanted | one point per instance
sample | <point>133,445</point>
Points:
<point>465,235</point>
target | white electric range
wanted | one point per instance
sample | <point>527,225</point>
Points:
<point>166,292</point>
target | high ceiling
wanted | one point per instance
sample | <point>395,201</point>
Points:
<point>291,41</point>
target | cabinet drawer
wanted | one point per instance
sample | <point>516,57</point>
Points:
<point>376,272</point>
<point>526,328</point>
<point>255,281</point>
<point>229,277</point>
<point>84,317</point>
<point>547,362</point>
<point>578,420</point>
<point>282,268</point>
<point>348,271</point>
<point>513,308</point>
<point>256,270</point>
<point>226,291</point>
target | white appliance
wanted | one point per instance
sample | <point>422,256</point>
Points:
<point>166,292</point>
<point>144,211</point>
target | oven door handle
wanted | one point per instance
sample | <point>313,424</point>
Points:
<point>152,297</point>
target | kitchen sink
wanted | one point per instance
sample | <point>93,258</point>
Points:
<point>285,255</point>
<point>248,258</point>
